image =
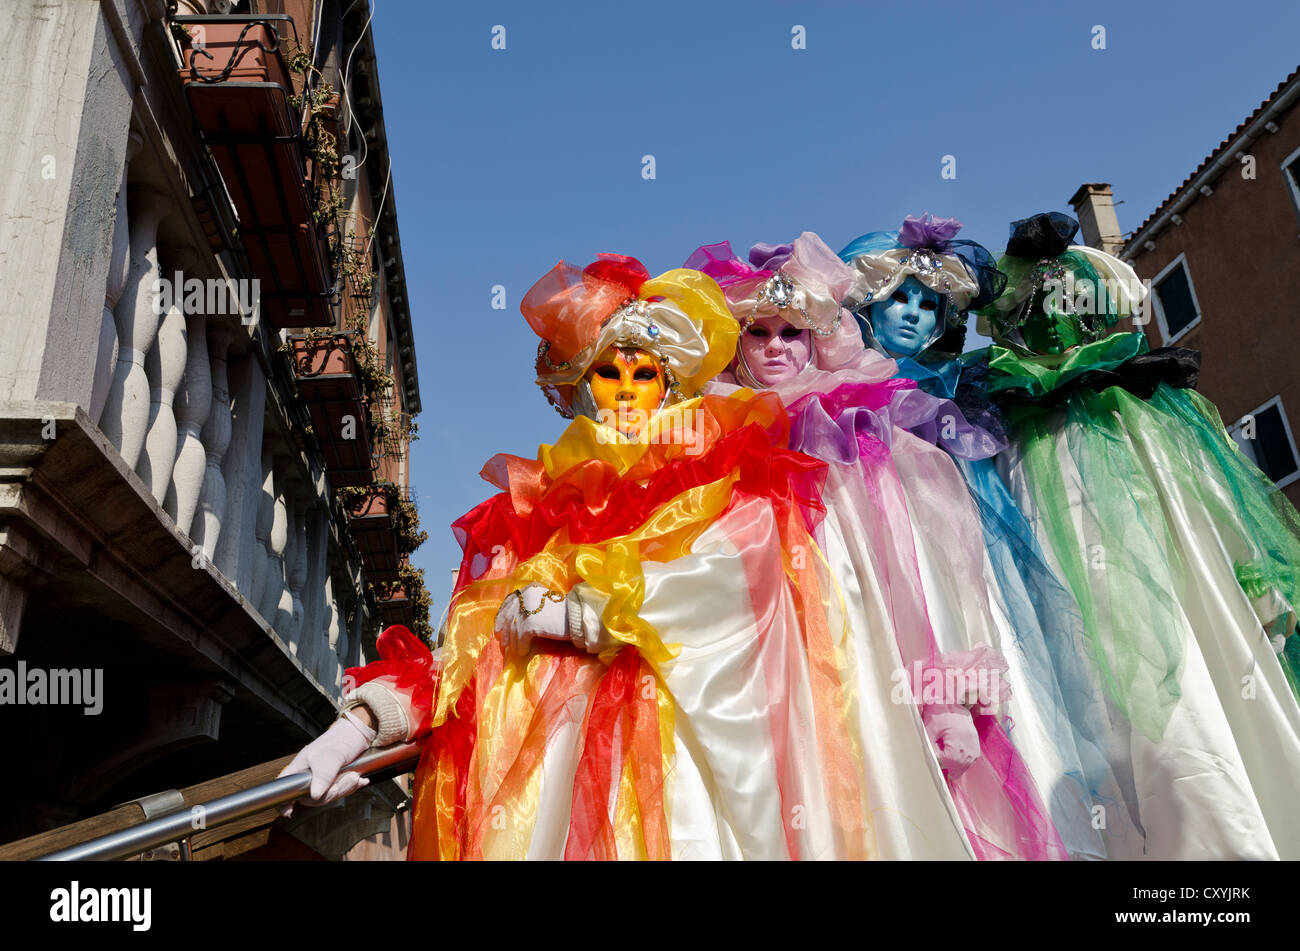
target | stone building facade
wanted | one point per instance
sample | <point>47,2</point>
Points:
<point>169,517</point>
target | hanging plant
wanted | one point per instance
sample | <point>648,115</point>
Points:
<point>390,429</point>
<point>406,523</point>
<point>319,103</point>
<point>351,257</point>
<point>353,495</point>
<point>410,581</point>
<point>401,510</point>
<point>356,266</point>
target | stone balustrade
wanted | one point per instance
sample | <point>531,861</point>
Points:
<point>193,403</point>
<point>215,437</point>
<point>125,417</point>
<point>182,396</point>
<point>165,365</point>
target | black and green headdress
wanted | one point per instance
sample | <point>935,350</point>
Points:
<point>1081,287</point>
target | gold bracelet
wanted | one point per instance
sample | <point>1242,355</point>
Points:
<point>548,596</point>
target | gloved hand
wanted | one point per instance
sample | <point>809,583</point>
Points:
<point>953,733</point>
<point>324,756</point>
<point>542,614</point>
<point>1276,616</point>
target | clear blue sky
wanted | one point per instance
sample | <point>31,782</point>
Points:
<point>506,161</point>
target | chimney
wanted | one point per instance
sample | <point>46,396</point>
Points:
<point>1094,206</point>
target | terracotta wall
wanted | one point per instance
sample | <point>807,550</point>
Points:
<point>1242,247</point>
<point>367,204</point>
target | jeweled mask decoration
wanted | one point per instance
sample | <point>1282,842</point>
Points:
<point>1059,295</point>
<point>931,268</point>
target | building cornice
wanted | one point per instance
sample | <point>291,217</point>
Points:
<point>368,113</point>
<point>1200,183</point>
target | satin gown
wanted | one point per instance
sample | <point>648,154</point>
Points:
<point>997,579</point>
<point>889,496</point>
<point>721,716</point>
<point>1155,519</point>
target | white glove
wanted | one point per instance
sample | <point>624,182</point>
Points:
<point>1275,615</point>
<point>955,738</point>
<point>324,756</point>
<point>517,629</point>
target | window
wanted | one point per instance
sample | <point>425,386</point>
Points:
<point>1176,306</point>
<point>1264,435</point>
<point>1291,172</point>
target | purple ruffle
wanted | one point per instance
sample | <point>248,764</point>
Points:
<point>856,419</point>
<point>928,232</point>
<point>770,257</point>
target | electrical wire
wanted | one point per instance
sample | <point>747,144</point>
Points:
<point>383,198</point>
<point>347,82</point>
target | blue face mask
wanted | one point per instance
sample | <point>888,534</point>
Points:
<point>905,324</point>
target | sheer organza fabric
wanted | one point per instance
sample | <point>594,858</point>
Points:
<point>849,412</point>
<point>1181,555</point>
<point>722,724</point>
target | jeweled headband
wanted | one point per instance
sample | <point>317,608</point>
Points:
<point>802,282</point>
<point>926,248</point>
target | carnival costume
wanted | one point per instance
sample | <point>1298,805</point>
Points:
<point>702,705</point>
<point>1056,722</point>
<point>849,412</point>
<point>1182,555</point>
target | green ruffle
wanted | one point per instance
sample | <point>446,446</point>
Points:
<point>1039,375</point>
<point>1117,551</point>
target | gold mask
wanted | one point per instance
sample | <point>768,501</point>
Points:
<point>629,384</point>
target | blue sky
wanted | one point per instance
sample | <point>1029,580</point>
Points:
<point>506,161</point>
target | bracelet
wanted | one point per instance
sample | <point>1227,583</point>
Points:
<point>548,596</point>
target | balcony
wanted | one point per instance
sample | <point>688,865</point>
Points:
<point>330,386</point>
<point>239,87</point>
<point>372,527</point>
<point>396,607</point>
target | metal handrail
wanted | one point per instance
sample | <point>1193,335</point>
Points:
<point>179,825</point>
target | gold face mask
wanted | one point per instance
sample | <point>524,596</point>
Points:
<point>627,385</point>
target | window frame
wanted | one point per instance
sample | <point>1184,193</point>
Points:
<point>1292,181</point>
<point>1235,428</point>
<point>1180,260</point>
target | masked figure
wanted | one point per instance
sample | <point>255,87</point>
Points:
<point>975,799</point>
<point>1181,554</point>
<point>643,656</point>
<point>912,292</point>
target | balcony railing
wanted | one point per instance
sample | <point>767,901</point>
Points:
<point>329,383</point>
